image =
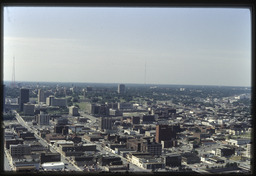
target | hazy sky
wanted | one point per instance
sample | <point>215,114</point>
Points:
<point>189,46</point>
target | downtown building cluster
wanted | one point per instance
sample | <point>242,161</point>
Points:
<point>121,129</point>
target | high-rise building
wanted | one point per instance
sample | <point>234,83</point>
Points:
<point>106,123</point>
<point>41,97</point>
<point>121,89</point>
<point>42,119</point>
<point>73,111</point>
<point>24,97</point>
<point>166,132</point>
<point>28,109</point>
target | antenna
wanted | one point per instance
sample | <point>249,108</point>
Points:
<point>13,73</point>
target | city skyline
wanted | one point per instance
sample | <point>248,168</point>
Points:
<point>191,46</point>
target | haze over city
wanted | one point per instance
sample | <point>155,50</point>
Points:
<point>192,46</point>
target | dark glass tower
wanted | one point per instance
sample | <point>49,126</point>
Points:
<point>24,97</point>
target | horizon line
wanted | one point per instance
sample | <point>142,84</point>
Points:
<point>149,84</point>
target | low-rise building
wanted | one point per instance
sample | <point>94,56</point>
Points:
<point>50,157</point>
<point>225,151</point>
<point>238,142</point>
<point>190,158</point>
<point>173,160</point>
<point>20,150</point>
<point>53,166</point>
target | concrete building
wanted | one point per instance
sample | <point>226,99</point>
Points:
<point>49,157</point>
<point>142,145</point>
<point>53,166</point>
<point>28,109</point>
<point>9,142</point>
<point>20,150</point>
<point>73,110</point>
<point>166,132</point>
<point>121,89</point>
<point>238,142</point>
<point>190,158</point>
<point>41,97</point>
<point>28,166</point>
<point>225,152</point>
<point>106,123</point>
<point>52,101</point>
<point>42,119</point>
<point>24,97</point>
<point>248,153</point>
<point>124,106</point>
<point>173,160</point>
<point>148,118</point>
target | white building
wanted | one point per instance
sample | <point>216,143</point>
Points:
<point>73,110</point>
<point>238,142</point>
<point>52,101</point>
<point>53,166</point>
<point>248,150</point>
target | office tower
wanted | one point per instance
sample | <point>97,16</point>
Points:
<point>42,119</point>
<point>28,109</point>
<point>73,111</point>
<point>24,97</point>
<point>41,97</point>
<point>106,123</point>
<point>121,89</point>
<point>166,132</point>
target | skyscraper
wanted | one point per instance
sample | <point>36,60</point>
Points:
<point>106,123</point>
<point>121,89</point>
<point>24,97</point>
<point>42,119</point>
<point>166,132</point>
<point>41,97</point>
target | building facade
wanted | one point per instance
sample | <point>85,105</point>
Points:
<point>52,101</point>
<point>166,132</point>
<point>24,97</point>
<point>105,123</point>
<point>20,150</point>
<point>73,111</point>
<point>42,119</point>
<point>41,97</point>
<point>28,109</point>
<point>121,89</point>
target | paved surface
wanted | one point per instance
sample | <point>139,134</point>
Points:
<point>70,166</point>
<point>7,165</point>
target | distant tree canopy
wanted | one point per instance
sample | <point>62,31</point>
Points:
<point>12,92</point>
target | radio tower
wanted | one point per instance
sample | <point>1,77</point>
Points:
<point>13,73</point>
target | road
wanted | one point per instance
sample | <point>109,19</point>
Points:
<point>68,163</point>
<point>7,164</point>
<point>105,150</point>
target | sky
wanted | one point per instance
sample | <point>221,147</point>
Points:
<point>184,46</point>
